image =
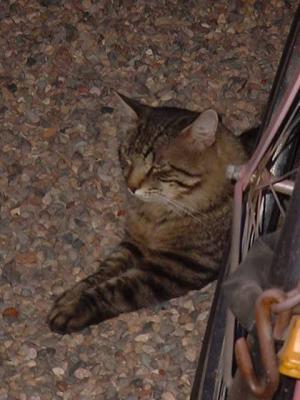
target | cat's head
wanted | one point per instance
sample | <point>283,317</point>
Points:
<point>169,154</point>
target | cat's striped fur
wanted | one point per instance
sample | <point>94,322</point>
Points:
<point>179,215</point>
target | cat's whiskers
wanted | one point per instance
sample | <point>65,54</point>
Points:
<point>178,207</point>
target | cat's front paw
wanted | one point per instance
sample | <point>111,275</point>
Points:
<point>67,315</point>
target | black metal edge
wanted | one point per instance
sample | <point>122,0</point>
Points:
<point>214,334</point>
<point>285,269</point>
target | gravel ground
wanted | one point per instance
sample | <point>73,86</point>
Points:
<point>60,186</point>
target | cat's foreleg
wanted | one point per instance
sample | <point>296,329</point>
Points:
<point>95,304</point>
<point>124,257</point>
<point>140,286</point>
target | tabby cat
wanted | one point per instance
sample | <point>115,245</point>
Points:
<point>179,214</point>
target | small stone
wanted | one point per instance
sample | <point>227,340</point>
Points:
<point>62,386</point>
<point>189,305</point>
<point>221,19</point>
<point>32,116</point>
<point>68,238</point>
<point>10,312</point>
<point>12,87</point>
<point>49,133</point>
<point>47,199</point>
<point>27,258</point>
<point>10,273</point>
<point>189,326</point>
<point>143,338</point>
<point>191,354</point>
<point>58,371</point>
<point>95,90</point>
<point>32,353</point>
<point>106,110</point>
<point>166,96</point>
<point>113,58</point>
<point>148,349</point>
<point>149,52</point>
<point>82,373</point>
<point>46,353</point>
<point>151,85</point>
<point>31,364</point>
<point>202,316</point>
<point>86,4</point>
<point>29,353</point>
<point>231,30</point>
<point>184,319</point>
<point>146,360</point>
<point>77,244</point>
<point>166,328</point>
<point>167,396</point>
<point>57,289</point>
<point>30,61</point>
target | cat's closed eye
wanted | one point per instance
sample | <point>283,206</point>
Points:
<point>125,162</point>
<point>160,168</point>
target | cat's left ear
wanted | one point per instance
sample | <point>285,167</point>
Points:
<point>130,107</point>
<point>203,130</point>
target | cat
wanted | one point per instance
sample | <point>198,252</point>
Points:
<point>179,215</point>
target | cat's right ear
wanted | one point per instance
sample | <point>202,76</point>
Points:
<point>129,107</point>
<point>202,132</point>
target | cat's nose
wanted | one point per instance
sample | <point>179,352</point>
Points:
<point>132,187</point>
<point>135,180</point>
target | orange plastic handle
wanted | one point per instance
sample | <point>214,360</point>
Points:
<point>289,355</point>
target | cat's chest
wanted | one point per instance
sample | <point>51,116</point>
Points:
<point>158,229</point>
<point>155,229</point>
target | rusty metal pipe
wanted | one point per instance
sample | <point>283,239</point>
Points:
<point>266,387</point>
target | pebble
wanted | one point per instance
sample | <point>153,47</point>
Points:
<point>47,199</point>
<point>189,305</point>
<point>166,96</point>
<point>82,373</point>
<point>95,90</point>
<point>11,273</point>
<point>189,326</point>
<point>202,316</point>
<point>58,371</point>
<point>32,353</point>
<point>168,396</point>
<point>32,116</point>
<point>29,353</point>
<point>191,354</point>
<point>143,338</point>
<point>57,289</point>
<point>148,349</point>
<point>15,212</point>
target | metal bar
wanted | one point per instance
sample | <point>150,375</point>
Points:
<point>285,270</point>
<point>205,379</point>
<point>285,187</point>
